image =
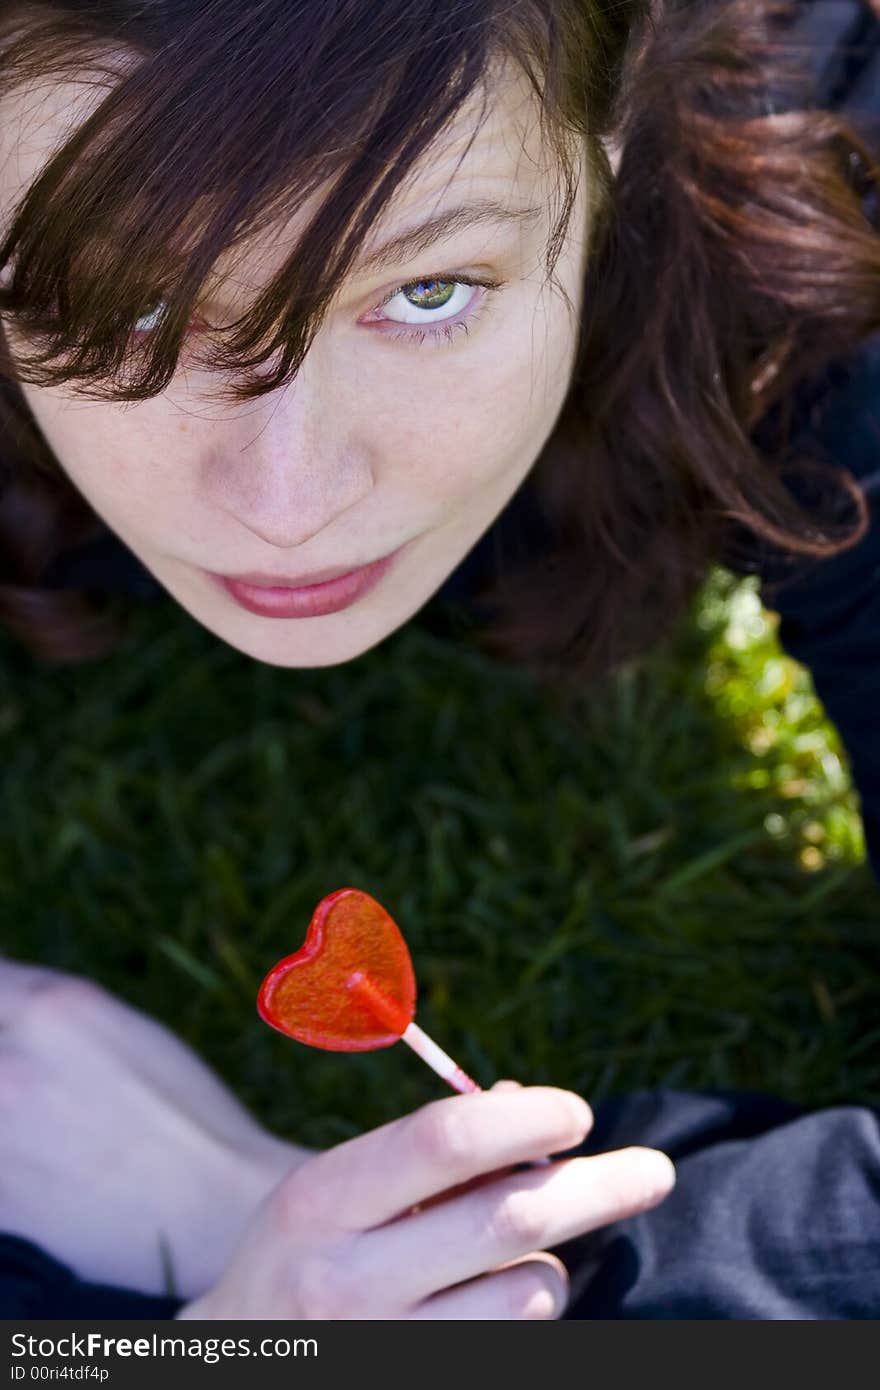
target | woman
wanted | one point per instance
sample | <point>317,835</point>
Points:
<point>558,275</point>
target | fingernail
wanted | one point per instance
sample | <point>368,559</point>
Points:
<point>506,1085</point>
<point>661,1172</point>
<point>583,1115</point>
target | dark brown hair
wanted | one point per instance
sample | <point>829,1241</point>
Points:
<point>732,255</point>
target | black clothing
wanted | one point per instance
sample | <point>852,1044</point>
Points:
<point>775,1213</point>
<point>33,1285</point>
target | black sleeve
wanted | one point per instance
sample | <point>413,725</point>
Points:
<point>830,609</point>
<point>774,1214</point>
<point>33,1285</point>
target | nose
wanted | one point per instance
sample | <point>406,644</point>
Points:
<point>290,468</point>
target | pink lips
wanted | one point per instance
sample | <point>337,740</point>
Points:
<point>313,596</point>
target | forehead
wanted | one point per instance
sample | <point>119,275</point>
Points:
<point>493,146</point>
<point>494,150</point>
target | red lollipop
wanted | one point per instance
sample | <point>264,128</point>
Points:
<point>351,986</point>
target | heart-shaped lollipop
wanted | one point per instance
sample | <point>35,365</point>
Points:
<point>351,986</point>
<point>320,995</point>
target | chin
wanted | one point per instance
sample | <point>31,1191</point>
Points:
<point>291,645</point>
<point>304,658</point>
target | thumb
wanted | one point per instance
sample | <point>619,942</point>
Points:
<point>506,1086</point>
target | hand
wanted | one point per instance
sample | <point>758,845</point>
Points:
<point>114,1136</point>
<point>339,1237</point>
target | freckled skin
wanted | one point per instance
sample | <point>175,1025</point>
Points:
<point>340,469</point>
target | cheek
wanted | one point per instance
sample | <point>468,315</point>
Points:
<point>483,417</point>
<point>121,466</point>
<point>77,434</point>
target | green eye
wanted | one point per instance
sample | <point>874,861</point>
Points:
<point>430,294</point>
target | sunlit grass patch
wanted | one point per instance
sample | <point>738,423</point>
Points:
<point>769,701</point>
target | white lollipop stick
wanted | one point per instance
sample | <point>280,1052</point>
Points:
<point>384,1009</point>
<point>438,1060</point>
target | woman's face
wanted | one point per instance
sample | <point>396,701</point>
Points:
<point>384,445</point>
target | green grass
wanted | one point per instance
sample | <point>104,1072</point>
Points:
<point>665,884</point>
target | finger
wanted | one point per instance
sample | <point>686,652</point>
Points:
<point>464,1187</point>
<point>504,1085</point>
<point>445,1143</point>
<point>497,1223</point>
<point>535,1287</point>
<point>17,980</point>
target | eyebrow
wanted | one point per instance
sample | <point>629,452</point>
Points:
<point>413,240</point>
<point>422,235</point>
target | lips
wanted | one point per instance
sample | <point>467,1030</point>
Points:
<point>302,581</point>
<point>311,596</point>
